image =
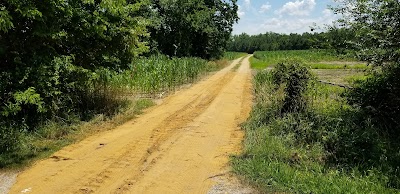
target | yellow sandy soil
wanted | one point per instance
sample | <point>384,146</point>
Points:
<point>175,147</point>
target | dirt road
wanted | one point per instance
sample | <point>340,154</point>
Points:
<point>175,147</point>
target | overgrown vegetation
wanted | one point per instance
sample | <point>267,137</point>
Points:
<point>304,137</point>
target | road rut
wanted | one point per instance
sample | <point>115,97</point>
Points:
<point>175,147</point>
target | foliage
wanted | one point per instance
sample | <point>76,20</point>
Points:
<point>326,148</point>
<point>257,63</point>
<point>376,25</point>
<point>294,77</point>
<point>199,28</point>
<point>291,152</point>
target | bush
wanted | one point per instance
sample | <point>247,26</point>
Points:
<point>295,78</point>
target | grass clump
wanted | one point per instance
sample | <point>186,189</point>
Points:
<point>303,137</point>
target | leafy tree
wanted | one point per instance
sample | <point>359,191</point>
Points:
<point>376,25</point>
<point>198,28</point>
<point>377,39</point>
<point>49,50</point>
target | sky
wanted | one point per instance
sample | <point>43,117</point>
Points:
<point>282,16</point>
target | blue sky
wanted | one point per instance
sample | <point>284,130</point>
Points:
<point>282,16</point>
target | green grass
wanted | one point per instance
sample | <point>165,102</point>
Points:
<point>257,63</point>
<point>159,74</point>
<point>233,55</point>
<point>270,166</point>
<point>318,59</point>
<point>287,153</point>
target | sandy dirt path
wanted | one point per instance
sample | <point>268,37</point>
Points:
<point>179,146</point>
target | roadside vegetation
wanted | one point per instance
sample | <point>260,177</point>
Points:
<point>304,136</point>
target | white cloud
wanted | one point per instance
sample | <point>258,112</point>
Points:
<point>247,3</point>
<point>294,25</point>
<point>297,8</point>
<point>327,13</point>
<point>264,8</point>
<point>240,12</point>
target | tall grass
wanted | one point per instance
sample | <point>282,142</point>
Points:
<point>233,55</point>
<point>324,148</point>
<point>159,73</point>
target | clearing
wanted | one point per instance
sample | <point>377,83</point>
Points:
<point>180,146</point>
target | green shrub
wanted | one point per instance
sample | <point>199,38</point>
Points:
<point>295,78</point>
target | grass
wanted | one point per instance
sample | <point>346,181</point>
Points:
<point>316,59</point>
<point>159,74</point>
<point>295,152</point>
<point>336,66</point>
<point>233,55</point>
<point>257,63</point>
<point>339,76</point>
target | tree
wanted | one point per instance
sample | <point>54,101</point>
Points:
<point>49,49</point>
<point>376,24</point>
<point>198,28</point>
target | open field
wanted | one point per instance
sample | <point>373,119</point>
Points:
<point>315,59</point>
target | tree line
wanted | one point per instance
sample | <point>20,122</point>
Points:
<point>334,38</point>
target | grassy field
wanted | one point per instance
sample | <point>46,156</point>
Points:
<point>315,59</point>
